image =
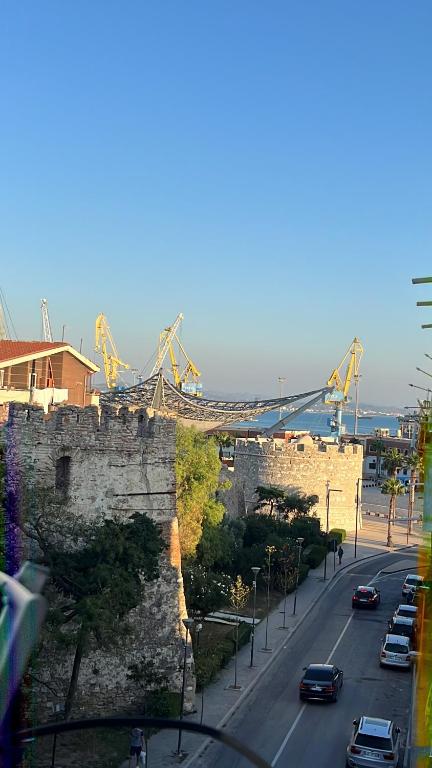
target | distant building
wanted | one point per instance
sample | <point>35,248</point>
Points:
<point>44,373</point>
<point>370,456</point>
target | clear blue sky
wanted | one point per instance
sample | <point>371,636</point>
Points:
<point>265,168</point>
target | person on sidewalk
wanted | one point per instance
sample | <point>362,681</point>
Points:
<point>136,745</point>
<point>340,554</point>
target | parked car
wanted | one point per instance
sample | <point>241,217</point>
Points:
<point>366,597</point>
<point>374,742</point>
<point>396,651</point>
<point>407,611</point>
<point>321,681</point>
<point>399,625</point>
<point>412,580</point>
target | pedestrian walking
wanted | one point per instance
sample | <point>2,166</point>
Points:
<point>340,554</point>
<point>136,746</point>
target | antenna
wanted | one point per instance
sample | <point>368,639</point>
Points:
<point>46,325</point>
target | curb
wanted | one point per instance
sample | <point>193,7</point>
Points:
<point>333,580</point>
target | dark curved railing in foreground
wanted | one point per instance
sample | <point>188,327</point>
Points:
<point>146,722</point>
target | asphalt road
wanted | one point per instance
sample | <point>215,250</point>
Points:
<point>287,732</point>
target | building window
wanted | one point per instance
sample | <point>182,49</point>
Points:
<point>62,476</point>
<point>372,465</point>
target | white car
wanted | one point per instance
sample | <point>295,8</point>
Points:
<point>412,581</point>
<point>374,743</point>
<point>396,652</point>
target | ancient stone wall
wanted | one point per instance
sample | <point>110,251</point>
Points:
<point>299,466</point>
<point>117,463</point>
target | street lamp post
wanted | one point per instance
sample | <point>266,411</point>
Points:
<point>198,628</point>
<point>188,624</point>
<point>284,561</point>
<point>328,492</point>
<point>357,514</point>
<point>255,572</point>
<point>269,551</point>
<point>300,541</point>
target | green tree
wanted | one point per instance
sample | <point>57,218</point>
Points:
<point>297,504</point>
<point>393,461</point>
<point>216,547</point>
<point>197,475</point>
<point>239,594</point>
<point>414,464</point>
<point>393,488</point>
<point>269,496</point>
<point>205,591</point>
<point>98,570</point>
<point>224,440</point>
<point>378,446</point>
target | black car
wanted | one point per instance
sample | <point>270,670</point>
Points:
<point>366,597</point>
<point>321,681</point>
<point>400,625</point>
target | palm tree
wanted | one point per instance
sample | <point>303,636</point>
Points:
<point>414,463</point>
<point>393,488</point>
<point>393,461</point>
<point>378,447</point>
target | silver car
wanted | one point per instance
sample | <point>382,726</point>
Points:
<point>396,652</point>
<point>374,743</point>
<point>407,611</point>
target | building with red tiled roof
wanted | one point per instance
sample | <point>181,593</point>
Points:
<point>46,373</point>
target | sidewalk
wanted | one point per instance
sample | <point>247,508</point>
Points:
<point>221,701</point>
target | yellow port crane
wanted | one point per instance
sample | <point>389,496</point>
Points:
<point>339,396</point>
<point>188,380</point>
<point>112,363</point>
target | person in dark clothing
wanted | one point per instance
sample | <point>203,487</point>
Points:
<point>340,554</point>
<point>136,745</point>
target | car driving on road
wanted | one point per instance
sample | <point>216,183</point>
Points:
<point>321,681</point>
<point>395,651</point>
<point>365,597</point>
<point>374,742</point>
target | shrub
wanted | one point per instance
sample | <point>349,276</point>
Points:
<point>337,533</point>
<point>314,554</point>
<point>163,703</point>
<point>208,664</point>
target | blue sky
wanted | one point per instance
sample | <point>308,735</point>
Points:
<point>265,168</point>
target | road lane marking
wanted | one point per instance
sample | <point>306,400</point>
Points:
<point>339,638</point>
<point>285,741</point>
<point>302,709</point>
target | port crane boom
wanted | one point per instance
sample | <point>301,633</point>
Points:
<point>112,363</point>
<point>186,380</point>
<point>46,325</point>
<point>341,385</point>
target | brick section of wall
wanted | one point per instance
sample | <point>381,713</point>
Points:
<point>299,466</point>
<point>119,463</point>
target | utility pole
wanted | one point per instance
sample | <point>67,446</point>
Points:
<point>281,381</point>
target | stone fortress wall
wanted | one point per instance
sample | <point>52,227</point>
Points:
<point>303,466</point>
<point>117,463</point>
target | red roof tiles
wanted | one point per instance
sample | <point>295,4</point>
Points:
<point>11,349</point>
